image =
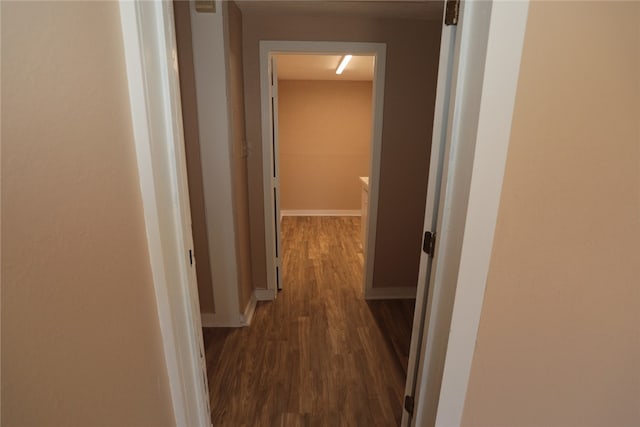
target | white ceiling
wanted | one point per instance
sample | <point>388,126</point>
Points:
<point>323,67</point>
<point>417,9</point>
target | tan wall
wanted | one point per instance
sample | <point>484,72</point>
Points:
<point>411,72</point>
<point>235,91</point>
<point>325,143</point>
<point>192,148</point>
<point>559,337</point>
<point>81,342</point>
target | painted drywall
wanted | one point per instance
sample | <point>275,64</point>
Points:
<point>209,58</point>
<point>182,16</point>
<point>559,336</point>
<point>325,143</point>
<point>410,82</point>
<point>235,91</point>
<point>80,331</point>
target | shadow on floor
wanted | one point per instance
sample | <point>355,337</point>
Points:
<point>395,320</point>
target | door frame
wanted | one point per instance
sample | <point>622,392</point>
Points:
<point>486,59</point>
<point>148,33</point>
<point>270,47</point>
<point>435,184</point>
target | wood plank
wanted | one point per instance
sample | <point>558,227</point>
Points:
<point>320,354</point>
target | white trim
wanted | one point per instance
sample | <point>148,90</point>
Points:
<point>466,92</point>
<point>320,212</point>
<point>390,293</point>
<point>275,143</point>
<point>215,320</point>
<point>265,294</point>
<point>374,169</point>
<point>486,68</point>
<point>377,49</point>
<point>435,184</point>
<point>249,310</point>
<point>502,68</point>
<point>150,46</point>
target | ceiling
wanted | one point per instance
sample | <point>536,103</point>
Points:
<point>323,67</point>
<point>418,9</point>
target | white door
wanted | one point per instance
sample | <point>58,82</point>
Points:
<point>275,182</point>
<point>436,183</point>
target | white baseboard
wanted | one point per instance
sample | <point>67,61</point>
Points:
<point>213,320</point>
<point>249,310</point>
<point>265,294</point>
<point>319,212</point>
<point>390,293</point>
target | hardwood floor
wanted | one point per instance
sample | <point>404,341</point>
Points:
<point>319,355</point>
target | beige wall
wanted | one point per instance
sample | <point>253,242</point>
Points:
<point>81,342</point>
<point>233,40</point>
<point>192,148</point>
<point>325,143</point>
<point>559,337</point>
<point>410,82</point>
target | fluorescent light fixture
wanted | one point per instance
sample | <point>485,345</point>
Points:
<point>343,63</point>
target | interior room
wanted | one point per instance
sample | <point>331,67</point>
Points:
<point>324,129</point>
<point>325,121</point>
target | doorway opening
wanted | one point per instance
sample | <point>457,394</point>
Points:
<point>322,109</point>
<point>369,63</point>
<point>323,340</point>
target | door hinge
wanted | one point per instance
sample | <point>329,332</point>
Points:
<point>429,243</point>
<point>452,12</point>
<point>190,257</point>
<point>408,404</point>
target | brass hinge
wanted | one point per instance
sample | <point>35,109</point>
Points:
<point>451,13</point>
<point>429,243</point>
<point>408,404</point>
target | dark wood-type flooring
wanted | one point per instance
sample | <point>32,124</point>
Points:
<point>319,355</point>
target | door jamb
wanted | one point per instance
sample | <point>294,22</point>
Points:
<point>149,42</point>
<point>499,87</point>
<point>436,182</point>
<point>268,47</point>
<point>444,370</point>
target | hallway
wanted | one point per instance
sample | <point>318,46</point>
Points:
<point>319,355</point>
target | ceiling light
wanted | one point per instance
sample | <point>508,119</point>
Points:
<point>343,63</point>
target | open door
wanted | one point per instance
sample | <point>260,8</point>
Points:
<point>435,184</point>
<point>275,183</point>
